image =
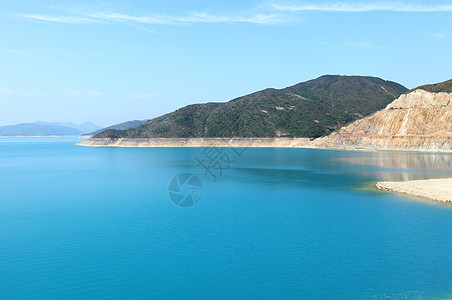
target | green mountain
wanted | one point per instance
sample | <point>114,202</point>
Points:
<point>445,86</point>
<point>309,109</point>
<point>121,126</point>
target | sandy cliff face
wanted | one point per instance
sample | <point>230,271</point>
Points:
<point>418,120</point>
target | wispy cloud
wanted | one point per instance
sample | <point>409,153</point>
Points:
<point>18,93</point>
<point>209,18</point>
<point>6,91</point>
<point>197,17</point>
<point>59,19</point>
<point>14,51</point>
<point>269,14</point>
<point>125,18</point>
<point>439,35</point>
<point>364,7</point>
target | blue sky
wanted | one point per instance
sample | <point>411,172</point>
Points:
<point>113,61</point>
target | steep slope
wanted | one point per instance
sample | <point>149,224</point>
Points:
<point>418,120</point>
<point>120,126</point>
<point>442,87</point>
<point>309,109</point>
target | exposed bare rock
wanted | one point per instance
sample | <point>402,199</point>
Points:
<point>419,120</point>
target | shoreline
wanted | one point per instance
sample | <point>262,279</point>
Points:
<point>197,142</point>
<point>243,142</point>
<point>433,189</point>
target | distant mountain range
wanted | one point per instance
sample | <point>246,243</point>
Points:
<point>309,109</point>
<point>84,127</point>
<point>41,128</point>
<point>47,129</point>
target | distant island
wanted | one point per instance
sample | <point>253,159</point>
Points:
<point>47,129</point>
<point>42,129</point>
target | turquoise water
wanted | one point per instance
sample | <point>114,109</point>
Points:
<point>78,222</point>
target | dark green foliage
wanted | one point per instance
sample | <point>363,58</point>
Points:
<point>309,109</point>
<point>445,87</point>
<point>121,126</point>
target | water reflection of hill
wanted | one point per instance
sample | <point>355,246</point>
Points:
<point>404,165</point>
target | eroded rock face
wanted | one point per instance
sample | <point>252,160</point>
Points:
<point>418,120</point>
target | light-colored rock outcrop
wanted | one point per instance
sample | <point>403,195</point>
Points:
<point>419,120</point>
<point>197,142</point>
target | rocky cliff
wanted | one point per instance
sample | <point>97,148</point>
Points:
<point>419,120</point>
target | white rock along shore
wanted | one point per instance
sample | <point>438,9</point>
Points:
<point>435,189</point>
<point>198,142</point>
<point>238,142</point>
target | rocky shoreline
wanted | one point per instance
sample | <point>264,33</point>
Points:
<point>198,142</point>
<point>442,146</point>
<point>425,143</point>
<point>437,145</point>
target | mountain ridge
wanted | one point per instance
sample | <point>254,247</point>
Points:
<point>84,127</point>
<point>444,87</point>
<point>121,126</point>
<point>308,109</point>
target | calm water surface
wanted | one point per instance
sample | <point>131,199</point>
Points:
<point>78,222</point>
